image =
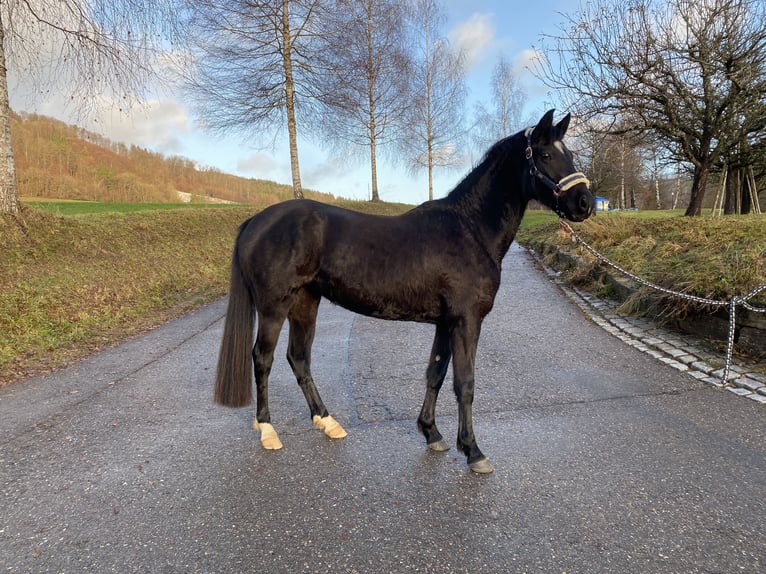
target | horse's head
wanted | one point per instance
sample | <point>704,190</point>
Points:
<point>554,179</point>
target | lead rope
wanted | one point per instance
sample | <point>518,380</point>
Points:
<point>732,303</point>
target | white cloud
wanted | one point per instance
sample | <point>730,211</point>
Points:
<point>473,37</point>
<point>526,60</point>
<point>158,124</point>
<point>524,65</point>
<point>326,169</point>
<point>260,165</point>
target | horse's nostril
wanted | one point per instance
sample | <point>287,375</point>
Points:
<point>584,203</point>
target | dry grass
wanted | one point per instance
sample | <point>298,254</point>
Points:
<point>711,257</point>
<point>70,285</point>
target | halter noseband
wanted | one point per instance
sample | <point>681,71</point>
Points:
<point>564,184</point>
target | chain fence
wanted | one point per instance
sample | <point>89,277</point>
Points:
<point>732,304</point>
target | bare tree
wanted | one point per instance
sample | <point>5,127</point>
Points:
<point>366,68</point>
<point>435,127</point>
<point>503,114</point>
<point>101,48</point>
<point>692,73</point>
<point>613,164</point>
<point>9,194</point>
<point>739,171</point>
<point>253,71</point>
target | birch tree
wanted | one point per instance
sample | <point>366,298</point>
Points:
<point>366,67</point>
<point>254,67</point>
<point>502,115</point>
<point>104,51</point>
<point>435,125</point>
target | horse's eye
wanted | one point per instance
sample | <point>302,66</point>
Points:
<point>546,156</point>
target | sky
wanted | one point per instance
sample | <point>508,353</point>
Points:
<point>485,29</point>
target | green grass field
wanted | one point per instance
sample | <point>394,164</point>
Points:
<point>73,207</point>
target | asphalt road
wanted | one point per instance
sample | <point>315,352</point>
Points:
<point>605,459</point>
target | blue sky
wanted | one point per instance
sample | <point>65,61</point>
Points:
<point>484,28</point>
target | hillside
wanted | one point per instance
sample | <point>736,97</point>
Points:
<point>56,160</point>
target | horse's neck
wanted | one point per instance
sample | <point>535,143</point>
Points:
<point>504,231</point>
<point>496,201</point>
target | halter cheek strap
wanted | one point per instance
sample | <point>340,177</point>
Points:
<point>564,184</point>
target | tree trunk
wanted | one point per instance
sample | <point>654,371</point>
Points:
<point>371,106</point>
<point>292,130</point>
<point>731,191</point>
<point>622,173</point>
<point>373,152</point>
<point>746,202</point>
<point>430,170</point>
<point>9,194</point>
<point>657,198</point>
<point>374,170</point>
<point>699,183</point>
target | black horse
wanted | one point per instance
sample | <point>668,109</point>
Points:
<point>439,263</point>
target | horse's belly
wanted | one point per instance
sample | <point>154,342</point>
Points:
<point>399,306</point>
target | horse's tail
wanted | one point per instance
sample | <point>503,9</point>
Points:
<point>233,383</point>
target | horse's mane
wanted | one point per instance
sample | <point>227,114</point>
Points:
<point>472,182</point>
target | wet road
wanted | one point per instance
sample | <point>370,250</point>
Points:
<point>605,459</point>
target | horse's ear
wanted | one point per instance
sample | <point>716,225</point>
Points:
<point>561,127</point>
<point>542,132</point>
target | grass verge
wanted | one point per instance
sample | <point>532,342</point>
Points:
<point>711,257</point>
<point>71,285</point>
<point>75,207</point>
<point>78,276</point>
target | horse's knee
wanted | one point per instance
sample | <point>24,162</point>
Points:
<point>464,391</point>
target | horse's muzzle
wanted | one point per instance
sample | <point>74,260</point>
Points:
<point>581,203</point>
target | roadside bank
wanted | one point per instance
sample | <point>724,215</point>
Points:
<point>626,314</point>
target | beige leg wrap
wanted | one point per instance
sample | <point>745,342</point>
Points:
<point>330,426</point>
<point>269,438</point>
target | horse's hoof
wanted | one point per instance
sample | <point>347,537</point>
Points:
<point>438,446</point>
<point>481,466</point>
<point>269,438</point>
<point>330,426</point>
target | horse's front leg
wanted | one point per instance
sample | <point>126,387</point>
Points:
<point>465,338</point>
<point>437,370</point>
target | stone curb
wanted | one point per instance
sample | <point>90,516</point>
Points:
<point>684,353</point>
<point>751,327</point>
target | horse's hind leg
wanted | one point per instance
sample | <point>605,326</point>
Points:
<point>263,357</point>
<point>437,370</point>
<point>302,318</point>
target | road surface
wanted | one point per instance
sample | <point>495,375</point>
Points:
<point>605,459</point>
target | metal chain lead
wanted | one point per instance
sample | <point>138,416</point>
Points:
<point>731,303</point>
